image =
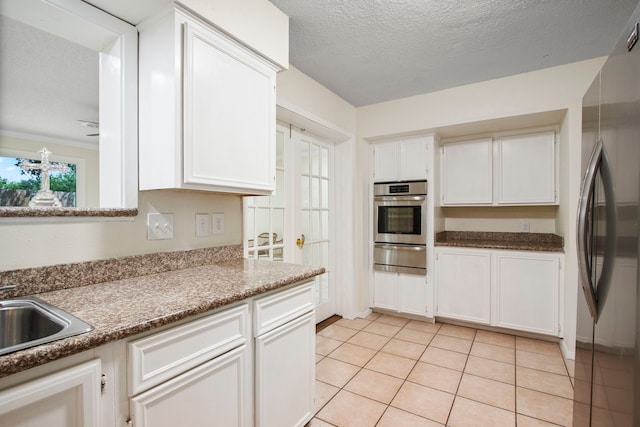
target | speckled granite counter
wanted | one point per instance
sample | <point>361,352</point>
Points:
<point>125,307</point>
<point>495,240</point>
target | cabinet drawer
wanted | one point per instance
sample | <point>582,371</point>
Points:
<point>159,357</point>
<point>280,308</point>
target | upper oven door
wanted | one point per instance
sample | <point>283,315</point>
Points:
<point>400,219</point>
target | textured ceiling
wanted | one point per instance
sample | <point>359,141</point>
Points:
<point>369,51</point>
<point>47,84</point>
<point>366,51</point>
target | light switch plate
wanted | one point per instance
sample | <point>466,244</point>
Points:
<point>159,226</point>
<point>218,223</point>
<point>203,225</point>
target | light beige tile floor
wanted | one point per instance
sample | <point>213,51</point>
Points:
<point>389,371</point>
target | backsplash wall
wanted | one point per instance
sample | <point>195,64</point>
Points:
<point>35,244</point>
<point>540,219</point>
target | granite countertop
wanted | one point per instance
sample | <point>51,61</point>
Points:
<point>126,307</point>
<point>544,242</point>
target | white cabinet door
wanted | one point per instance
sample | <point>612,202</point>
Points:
<point>285,374</point>
<point>215,393</point>
<point>527,292</point>
<point>463,284</point>
<point>400,160</point>
<point>413,160</point>
<point>386,158</point>
<point>68,398</point>
<point>229,120</point>
<point>385,290</point>
<point>526,171</point>
<point>413,294</point>
<point>206,109</point>
<point>467,173</point>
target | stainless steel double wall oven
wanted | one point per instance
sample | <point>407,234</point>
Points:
<point>400,226</point>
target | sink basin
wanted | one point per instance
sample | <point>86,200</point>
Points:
<point>28,321</point>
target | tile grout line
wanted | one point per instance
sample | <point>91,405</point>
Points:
<point>418,359</point>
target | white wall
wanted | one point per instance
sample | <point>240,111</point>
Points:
<point>541,219</point>
<point>39,244</point>
<point>297,89</point>
<point>257,23</point>
<point>305,103</point>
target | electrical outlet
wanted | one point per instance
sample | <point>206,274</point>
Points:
<point>159,226</point>
<point>525,225</point>
<point>218,223</point>
<point>203,225</point>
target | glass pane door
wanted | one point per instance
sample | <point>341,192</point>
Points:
<point>314,213</point>
<point>265,215</point>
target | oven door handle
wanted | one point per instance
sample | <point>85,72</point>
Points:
<point>403,247</point>
<point>418,198</point>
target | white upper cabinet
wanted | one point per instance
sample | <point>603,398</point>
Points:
<point>207,109</point>
<point>507,171</point>
<point>467,172</point>
<point>400,160</point>
<point>526,171</point>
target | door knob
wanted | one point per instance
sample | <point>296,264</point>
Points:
<point>300,241</point>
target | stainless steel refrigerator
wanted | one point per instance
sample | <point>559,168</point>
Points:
<point>607,368</point>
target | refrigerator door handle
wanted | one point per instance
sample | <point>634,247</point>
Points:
<point>610,243</point>
<point>586,192</point>
<point>598,162</point>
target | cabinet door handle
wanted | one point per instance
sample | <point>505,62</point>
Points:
<point>300,241</point>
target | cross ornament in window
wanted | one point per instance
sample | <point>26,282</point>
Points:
<point>44,197</point>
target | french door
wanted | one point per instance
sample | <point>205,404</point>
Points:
<point>295,223</point>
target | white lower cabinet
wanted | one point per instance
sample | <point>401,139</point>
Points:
<point>527,292</point>
<point>285,358</point>
<point>215,371</point>
<point>198,373</point>
<point>285,374</point>
<point>214,393</point>
<point>404,293</point>
<point>67,398</point>
<point>463,284</point>
<point>518,290</point>
<point>385,290</point>
<point>252,364</point>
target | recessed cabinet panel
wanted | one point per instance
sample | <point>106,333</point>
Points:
<point>386,159</point>
<point>526,169</point>
<point>207,109</point>
<point>214,393</point>
<point>413,294</point>
<point>467,172</point>
<point>511,289</point>
<point>463,285</point>
<point>527,291</point>
<point>400,160</point>
<point>285,374</point>
<point>512,170</point>
<point>404,293</point>
<point>160,356</point>
<point>277,309</point>
<point>385,293</point>
<point>227,114</point>
<point>68,398</point>
<point>413,160</point>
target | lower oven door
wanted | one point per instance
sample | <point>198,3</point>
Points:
<point>410,259</point>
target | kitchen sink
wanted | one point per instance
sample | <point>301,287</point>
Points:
<point>28,321</point>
